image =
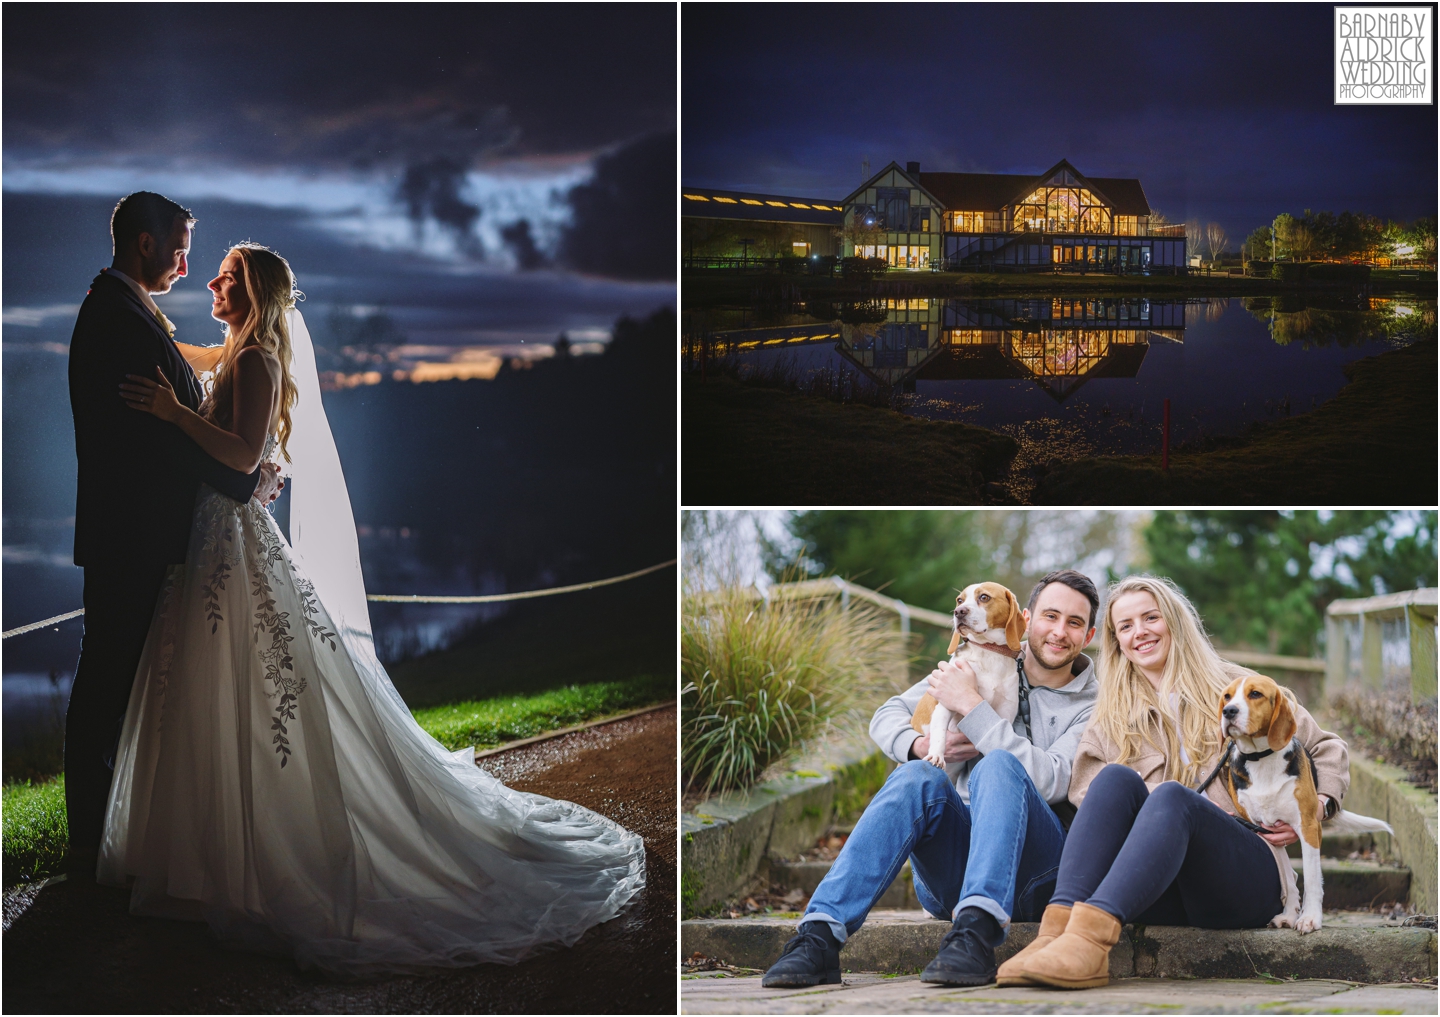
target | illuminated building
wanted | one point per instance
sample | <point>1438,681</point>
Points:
<point>1056,221</point>
<point>732,228</point>
<point>1059,220</point>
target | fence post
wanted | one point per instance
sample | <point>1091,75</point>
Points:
<point>1372,661</point>
<point>1337,655</point>
<point>1422,654</point>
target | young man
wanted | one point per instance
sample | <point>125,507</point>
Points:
<point>983,841</point>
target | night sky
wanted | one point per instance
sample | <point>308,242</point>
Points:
<point>466,167</point>
<point>1223,111</point>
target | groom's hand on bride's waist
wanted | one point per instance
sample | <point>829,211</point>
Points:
<point>270,484</point>
<point>958,748</point>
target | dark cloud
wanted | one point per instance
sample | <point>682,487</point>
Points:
<point>331,85</point>
<point>66,242</point>
<point>517,237</point>
<point>432,188</point>
<point>624,217</point>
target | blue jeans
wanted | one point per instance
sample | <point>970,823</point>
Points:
<point>1165,857</point>
<point>1000,854</point>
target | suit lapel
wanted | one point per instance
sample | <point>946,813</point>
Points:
<point>176,367</point>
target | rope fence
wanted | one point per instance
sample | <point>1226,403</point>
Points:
<point>416,598</point>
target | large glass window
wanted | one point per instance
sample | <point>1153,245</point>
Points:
<point>1061,205</point>
<point>893,205</point>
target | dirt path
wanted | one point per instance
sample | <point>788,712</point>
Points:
<point>76,949</point>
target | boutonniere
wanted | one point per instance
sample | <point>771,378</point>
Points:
<point>165,323</point>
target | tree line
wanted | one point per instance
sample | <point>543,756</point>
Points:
<point>1349,236</point>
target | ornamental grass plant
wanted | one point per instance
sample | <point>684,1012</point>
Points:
<point>759,677</point>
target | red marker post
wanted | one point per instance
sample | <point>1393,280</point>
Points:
<point>1165,441</point>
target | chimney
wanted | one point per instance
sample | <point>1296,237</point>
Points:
<point>913,168</point>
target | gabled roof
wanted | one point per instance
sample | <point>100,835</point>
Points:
<point>715,203</point>
<point>1126,194</point>
<point>908,176</point>
<point>989,192</point>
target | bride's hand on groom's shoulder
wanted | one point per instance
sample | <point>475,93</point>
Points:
<point>154,396</point>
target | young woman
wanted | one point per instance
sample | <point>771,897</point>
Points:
<point>1144,847</point>
<point>269,779</point>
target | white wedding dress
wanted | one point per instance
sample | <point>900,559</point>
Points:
<point>271,782</point>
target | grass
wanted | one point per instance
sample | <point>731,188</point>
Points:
<point>761,678</point>
<point>488,722</point>
<point>746,444</point>
<point>1375,442</point>
<point>35,834</point>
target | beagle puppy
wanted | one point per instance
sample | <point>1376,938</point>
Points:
<point>1271,778</point>
<point>988,628</point>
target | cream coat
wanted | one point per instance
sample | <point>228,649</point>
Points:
<point>1332,765</point>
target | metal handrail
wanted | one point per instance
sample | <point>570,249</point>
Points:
<point>835,586</point>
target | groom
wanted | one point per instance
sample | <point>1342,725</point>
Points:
<point>982,837</point>
<point>138,478</point>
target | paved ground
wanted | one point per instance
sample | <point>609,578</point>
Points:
<point>76,949</point>
<point>878,994</point>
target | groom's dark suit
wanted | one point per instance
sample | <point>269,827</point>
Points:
<point>138,477</point>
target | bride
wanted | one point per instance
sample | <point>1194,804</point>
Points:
<point>269,779</point>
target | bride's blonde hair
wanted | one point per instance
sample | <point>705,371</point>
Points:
<point>270,285</point>
<point>1193,670</point>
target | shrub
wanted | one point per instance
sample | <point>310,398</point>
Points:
<point>1394,727</point>
<point>760,678</point>
<point>36,835</point>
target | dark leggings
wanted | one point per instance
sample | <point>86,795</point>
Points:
<point>1170,857</point>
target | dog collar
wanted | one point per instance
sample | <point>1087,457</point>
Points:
<point>1004,651</point>
<point>1252,756</point>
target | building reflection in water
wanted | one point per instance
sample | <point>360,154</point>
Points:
<point>1057,342</point>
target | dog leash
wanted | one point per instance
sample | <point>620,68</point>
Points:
<point>1225,758</point>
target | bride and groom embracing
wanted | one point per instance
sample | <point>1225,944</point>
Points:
<point>234,750</point>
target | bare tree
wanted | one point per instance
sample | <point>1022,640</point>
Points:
<point>1216,240</point>
<point>859,234</point>
<point>1194,238</point>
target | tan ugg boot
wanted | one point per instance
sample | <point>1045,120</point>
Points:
<point>1080,957</point>
<point>1052,923</point>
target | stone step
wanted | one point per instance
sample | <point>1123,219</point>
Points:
<point>724,993</point>
<point>1353,946</point>
<point>1347,884</point>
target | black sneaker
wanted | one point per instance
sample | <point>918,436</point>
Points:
<point>967,953</point>
<point>812,957</point>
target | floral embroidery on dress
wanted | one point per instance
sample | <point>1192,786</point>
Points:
<point>165,657</point>
<point>279,665</point>
<point>267,551</point>
<point>311,606</point>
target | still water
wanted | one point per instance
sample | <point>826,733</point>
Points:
<point>1069,377</point>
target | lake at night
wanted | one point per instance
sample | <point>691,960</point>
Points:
<point>1069,376</point>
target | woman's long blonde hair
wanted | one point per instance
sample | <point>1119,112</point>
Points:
<point>1193,670</point>
<point>270,285</point>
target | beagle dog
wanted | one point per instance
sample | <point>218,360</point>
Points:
<point>1271,778</point>
<point>988,627</point>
